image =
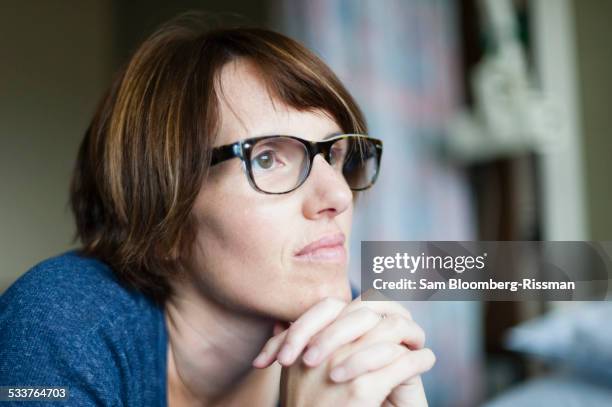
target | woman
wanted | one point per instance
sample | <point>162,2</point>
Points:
<point>213,196</point>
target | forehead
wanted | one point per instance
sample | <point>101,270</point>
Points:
<point>247,109</point>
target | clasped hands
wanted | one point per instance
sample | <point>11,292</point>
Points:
<point>361,354</point>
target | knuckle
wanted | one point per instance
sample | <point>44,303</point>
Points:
<point>415,333</point>
<point>430,357</point>
<point>395,321</point>
<point>403,311</point>
<point>369,313</point>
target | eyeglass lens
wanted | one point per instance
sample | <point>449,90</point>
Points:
<point>280,164</point>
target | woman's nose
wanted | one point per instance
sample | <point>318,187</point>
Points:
<point>327,192</point>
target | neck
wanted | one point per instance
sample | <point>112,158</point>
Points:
<point>210,350</point>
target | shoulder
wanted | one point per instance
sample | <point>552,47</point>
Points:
<point>71,289</point>
<point>68,321</point>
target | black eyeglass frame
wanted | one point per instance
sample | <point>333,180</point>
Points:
<point>242,149</point>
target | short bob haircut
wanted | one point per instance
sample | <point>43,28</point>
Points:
<point>147,149</point>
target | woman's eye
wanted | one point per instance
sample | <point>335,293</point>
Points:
<point>265,160</point>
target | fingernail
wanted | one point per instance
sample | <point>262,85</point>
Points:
<point>260,358</point>
<point>312,355</point>
<point>338,374</point>
<point>285,354</point>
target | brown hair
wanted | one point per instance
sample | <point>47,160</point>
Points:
<point>147,150</point>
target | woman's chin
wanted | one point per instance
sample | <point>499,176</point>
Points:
<point>340,290</point>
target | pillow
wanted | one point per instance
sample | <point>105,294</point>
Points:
<point>579,338</point>
<point>557,390</point>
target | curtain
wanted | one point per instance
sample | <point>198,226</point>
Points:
<point>400,61</point>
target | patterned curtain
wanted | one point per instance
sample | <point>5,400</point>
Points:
<point>399,59</point>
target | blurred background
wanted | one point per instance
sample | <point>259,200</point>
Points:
<point>496,120</point>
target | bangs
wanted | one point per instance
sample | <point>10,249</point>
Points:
<point>291,73</point>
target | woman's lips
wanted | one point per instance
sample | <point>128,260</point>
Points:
<point>330,248</point>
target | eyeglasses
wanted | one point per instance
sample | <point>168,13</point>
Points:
<point>280,164</point>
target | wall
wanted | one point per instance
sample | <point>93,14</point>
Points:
<point>55,65</point>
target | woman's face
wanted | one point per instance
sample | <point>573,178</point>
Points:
<point>246,241</point>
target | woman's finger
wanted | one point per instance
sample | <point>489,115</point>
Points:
<point>380,307</point>
<point>364,327</point>
<point>407,366</point>
<point>408,393</point>
<point>395,328</point>
<point>310,323</point>
<point>268,352</point>
<point>366,360</point>
<point>343,330</point>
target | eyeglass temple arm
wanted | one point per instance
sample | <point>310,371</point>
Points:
<point>224,153</point>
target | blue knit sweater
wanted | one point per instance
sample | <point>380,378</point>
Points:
<point>69,322</point>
